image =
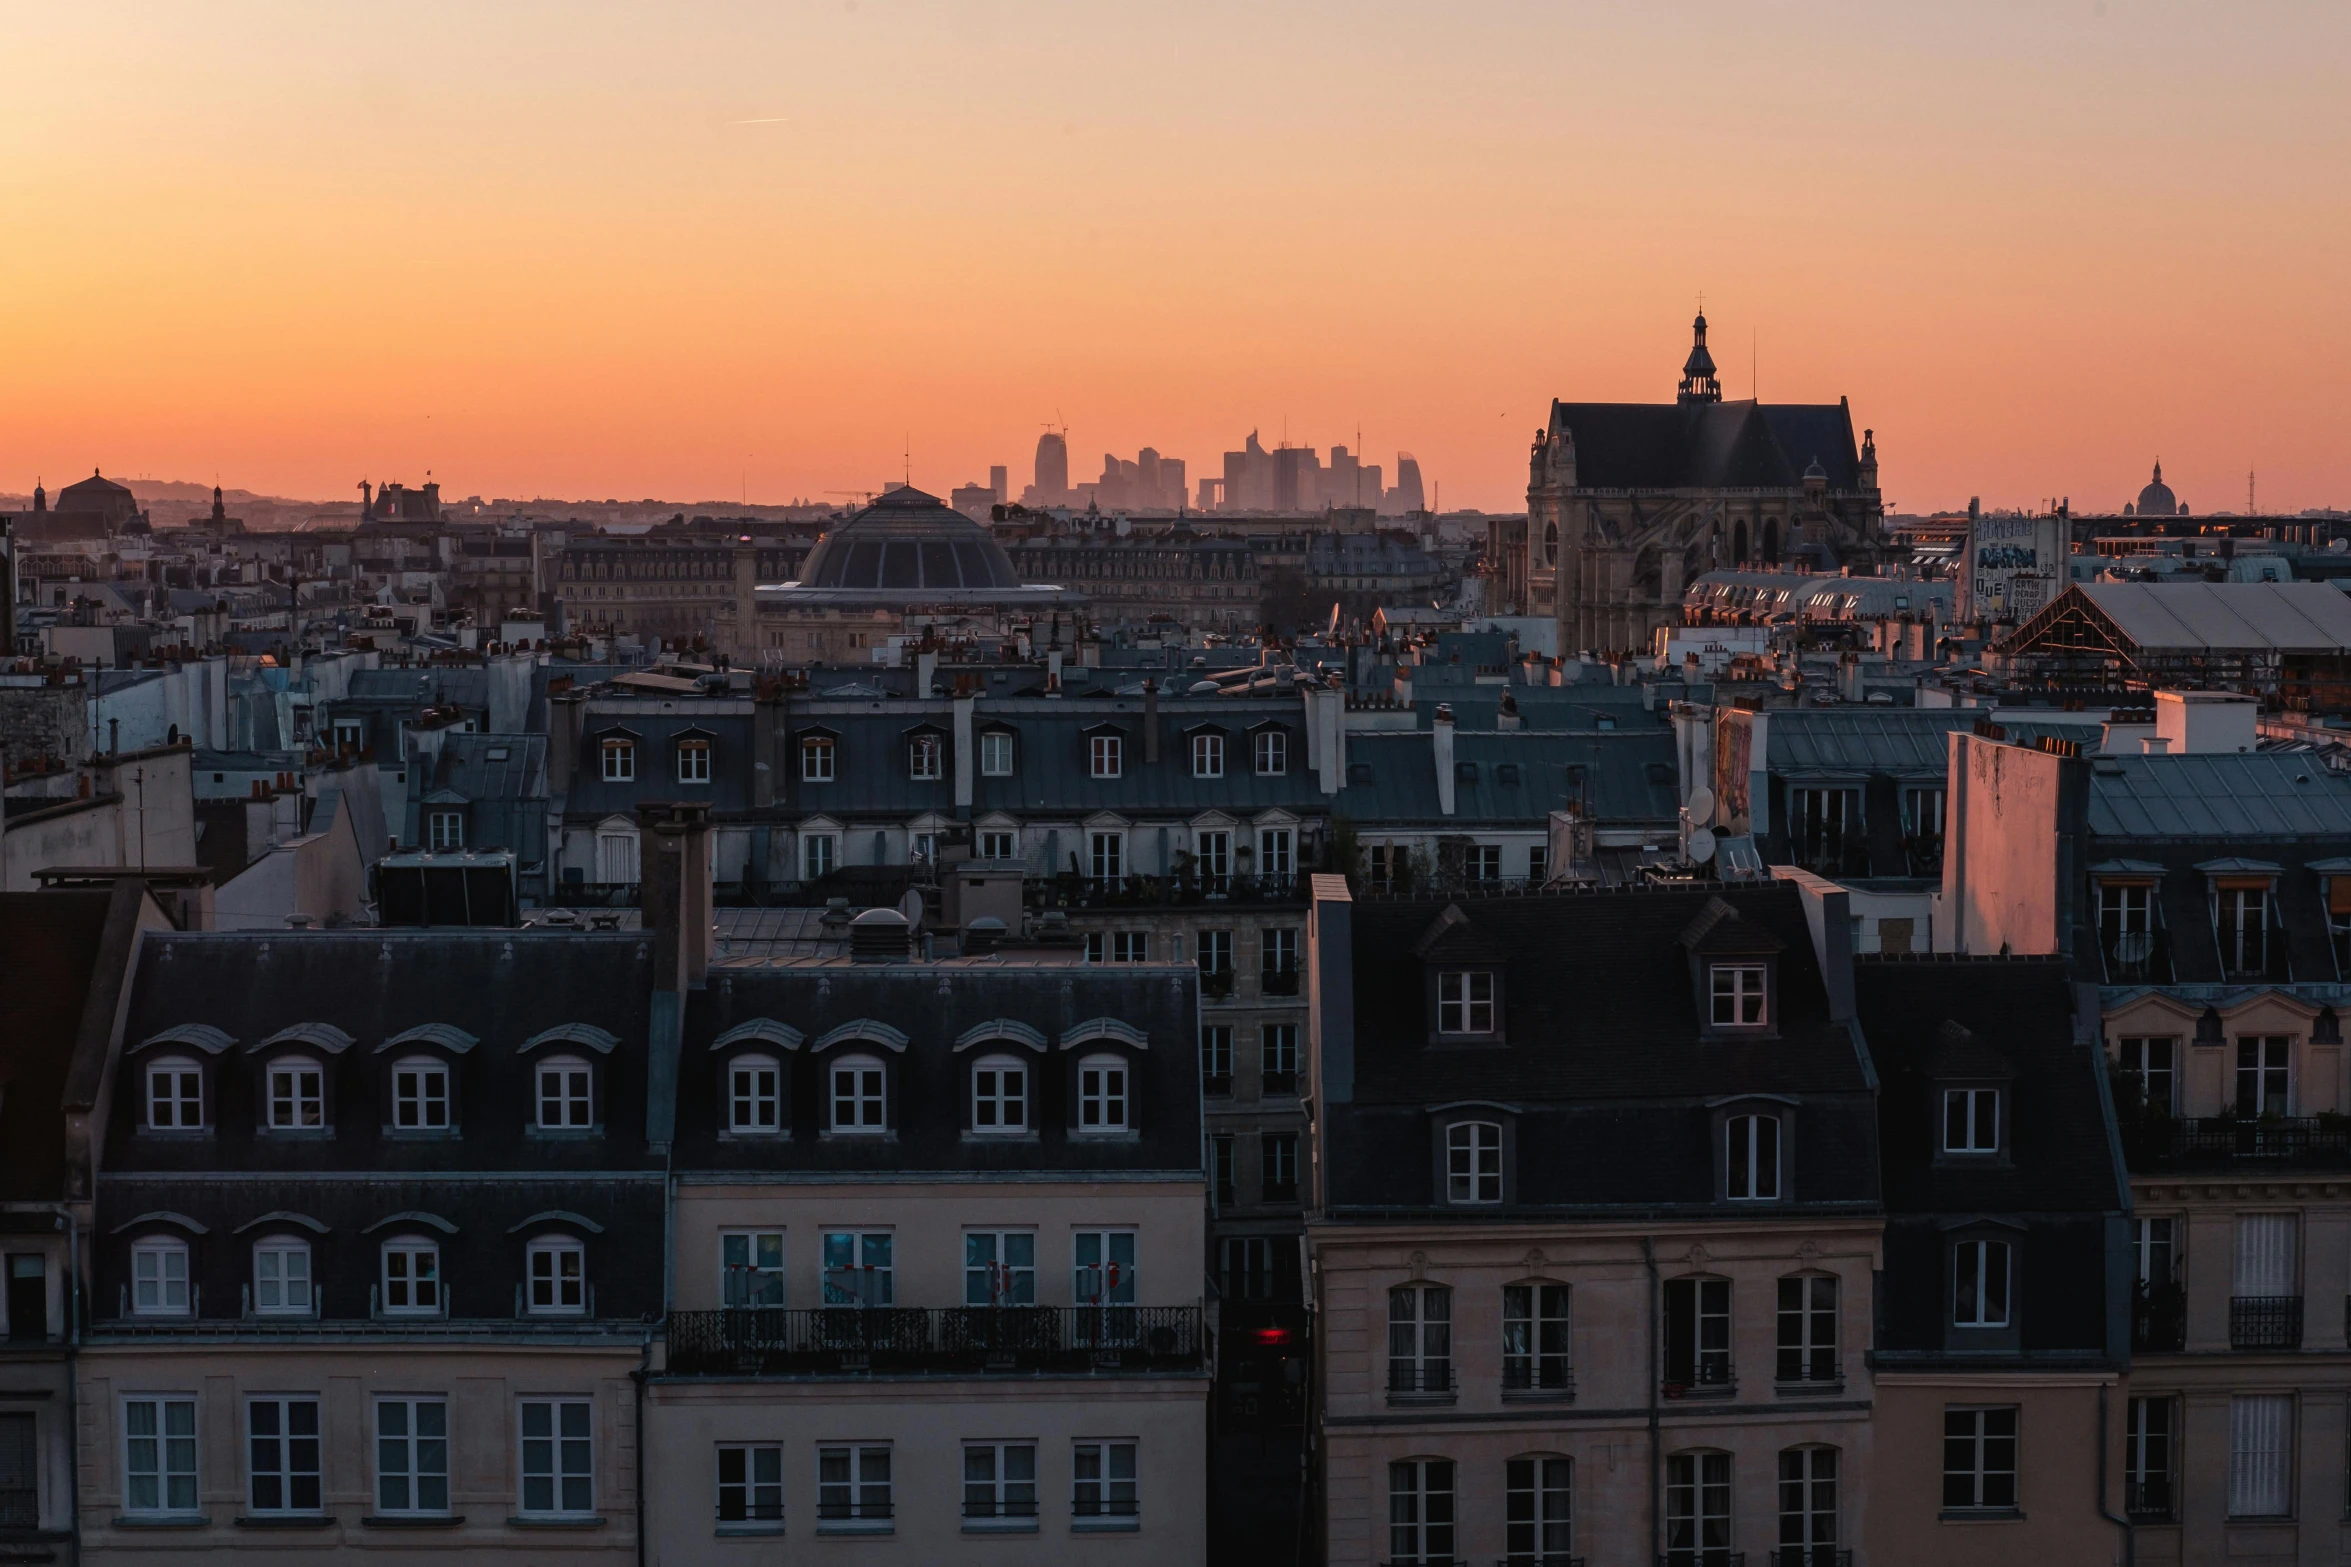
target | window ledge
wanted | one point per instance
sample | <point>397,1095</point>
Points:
<point>1980,1515</point>
<point>421,1134</point>
<point>411,1520</point>
<point>884,1526</point>
<point>728,1531</point>
<point>1834,1389</point>
<point>1000,1526</point>
<point>1540,1395</point>
<point>1013,1139</point>
<point>1710,1393</point>
<point>1423,1398</point>
<point>163,1521</point>
<point>565,1134</point>
<point>284,1521</point>
<point>1106,1526</point>
<point>554,1521</point>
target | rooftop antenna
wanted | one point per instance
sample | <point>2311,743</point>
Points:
<point>2250,509</point>
<point>1754,365</point>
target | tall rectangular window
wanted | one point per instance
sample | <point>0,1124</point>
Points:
<point>1207,755</point>
<point>1473,1162</point>
<point>2261,1456</point>
<point>1751,1167</point>
<point>1105,755</point>
<point>817,759</point>
<point>1278,960</point>
<point>750,1483</point>
<point>1272,751</point>
<point>1104,1484</point>
<point>1538,1518</point>
<point>2147,1458</point>
<point>1808,1507</point>
<point>1420,1513</point>
<point>2264,1075</point>
<point>1216,861</point>
<point>412,1455</point>
<point>2155,1063</point>
<point>282,1454</point>
<point>751,1267</point>
<point>444,831</point>
<point>693,761</point>
<point>1534,1338</point>
<point>1698,1510</point>
<point>859,1268</point>
<point>1281,1166</point>
<point>1465,1002</point>
<point>558,1457</point>
<point>999,1267</point>
<point>1107,858</point>
<point>926,758</point>
<point>1221,1168</point>
<point>281,1276</point>
<point>1420,1339</point>
<point>1245,1270</point>
<point>1276,860</point>
<point>1979,1459</point>
<point>1216,1058</point>
<point>1279,1042</point>
<point>819,853</point>
<point>1979,1284</point>
<point>1971,1120</point>
<point>2152,1250</point>
<point>159,1279</point>
<point>159,1455</point>
<point>1808,1328</point>
<point>1697,1333</point>
<point>996,754</point>
<point>2241,919</point>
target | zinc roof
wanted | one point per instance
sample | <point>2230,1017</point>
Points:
<point>2257,617</point>
<point>2237,794</point>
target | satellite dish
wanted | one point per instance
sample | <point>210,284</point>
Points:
<point>1701,805</point>
<point>1702,846</point>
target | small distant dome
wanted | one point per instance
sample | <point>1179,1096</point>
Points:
<point>2156,500</point>
<point>909,540</point>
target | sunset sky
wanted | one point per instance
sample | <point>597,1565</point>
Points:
<point>684,250</point>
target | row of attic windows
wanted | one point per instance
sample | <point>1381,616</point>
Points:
<point>1208,751</point>
<point>409,1281</point>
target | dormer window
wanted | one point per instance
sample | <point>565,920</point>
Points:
<point>926,758</point>
<point>420,1096</point>
<point>1208,754</point>
<point>566,1100</point>
<point>754,1095</point>
<point>620,760</point>
<point>1473,1162</point>
<point>1980,1277</point>
<point>2126,930</point>
<point>2240,918</point>
<point>1738,990</point>
<point>694,760</point>
<point>1465,1002</point>
<point>297,1096</point>
<point>1106,755</point>
<point>1270,751</point>
<point>1971,1120</point>
<point>996,753</point>
<point>817,759</point>
<point>175,1095</point>
<point>1751,1158</point>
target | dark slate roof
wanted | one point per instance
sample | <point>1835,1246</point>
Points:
<point>2249,794</point>
<point>1731,445</point>
<point>1627,776</point>
<point>2017,1015</point>
<point>51,941</point>
<point>493,767</point>
<point>908,540</point>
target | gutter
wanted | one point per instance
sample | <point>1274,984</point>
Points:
<point>2130,1540</point>
<point>1656,1363</point>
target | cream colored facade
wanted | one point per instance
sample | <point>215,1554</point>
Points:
<point>2216,1210</point>
<point>926,1419</point>
<point>484,1384</point>
<point>1604,1427</point>
<point>2057,1472</point>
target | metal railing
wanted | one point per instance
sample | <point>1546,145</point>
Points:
<point>2136,957</point>
<point>1538,1559</point>
<point>771,1340</point>
<point>1278,981</point>
<point>2263,1137</point>
<point>1068,891</point>
<point>842,1512</point>
<point>1000,1508</point>
<point>1536,1374</point>
<point>1810,1556</point>
<point>1710,1377</point>
<point>2265,1322</point>
<point>1216,984</point>
<point>1700,1556</point>
<point>2148,1500</point>
<point>1420,1378</point>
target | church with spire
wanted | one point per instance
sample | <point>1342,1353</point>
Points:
<point>1628,503</point>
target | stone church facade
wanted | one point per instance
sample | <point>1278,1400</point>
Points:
<point>1627,503</point>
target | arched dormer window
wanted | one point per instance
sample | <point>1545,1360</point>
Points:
<point>421,1098</point>
<point>1473,1163</point>
<point>295,1095</point>
<point>858,1094</point>
<point>999,1095</point>
<point>175,1094</point>
<point>411,1282</point>
<point>1105,1095</point>
<point>566,1097</point>
<point>556,1276</point>
<point>754,1094</point>
<point>160,1277</point>
<point>282,1276</point>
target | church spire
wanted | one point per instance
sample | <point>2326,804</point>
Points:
<point>1698,380</point>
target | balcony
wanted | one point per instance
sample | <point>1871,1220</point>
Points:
<point>972,1340</point>
<point>2159,1319</point>
<point>1810,1556</point>
<point>2265,1322</point>
<point>1696,1556</point>
<point>2148,1500</point>
<point>1071,891</point>
<point>1538,1559</point>
<point>1420,1381</point>
<point>1216,984</point>
<point>2157,1141</point>
<point>1710,1377</point>
<point>1281,981</point>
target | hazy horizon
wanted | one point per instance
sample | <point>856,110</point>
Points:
<point>603,251</point>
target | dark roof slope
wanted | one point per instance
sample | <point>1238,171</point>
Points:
<point>51,942</point>
<point>1737,445</point>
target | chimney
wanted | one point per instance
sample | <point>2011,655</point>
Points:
<point>966,743</point>
<point>766,713</point>
<point>1442,732</point>
<point>1330,989</point>
<point>1150,721</point>
<point>673,860</point>
<point>564,712</point>
<point>926,670</point>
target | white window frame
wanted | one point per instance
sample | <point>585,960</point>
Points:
<point>281,1267</point>
<point>854,1509</point>
<point>1207,754</point>
<point>2261,1455</point>
<point>422,1462</point>
<point>1105,1095</point>
<point>620,760</point>
<point>1989,1489</point>
<point>820,854</point>
<point>1699,1498</point>
<point>998,845</point>
<point>1807,1328</point>
<point>1104,1265</point>
<point>1420,1340</point>
<point>751,1498</point>
<point>1809,1474</point>
<point>1130,946</point>
<point>556,1277</point>
<point>1101,1496</point>
<point>1000,1096</point>
<point>1000,1267</point>
<point>160,1464</point>
<point>419,1457</point>
<point>1276,853</point>
<point>819,759</point>
<point>995,753</point>
<point>284,1457</point>
<point>1538,1334</point>
<point>1215,857</point>
<point>1465,1001</point>
<point>1269,751</point>
<point>1991,1303</point>
<point>162,1283</point>
<point>868,1256</point>
<point>1106,858</point>
<point>444,830</point>
<point>1105,756</point>
<point>1538,1509</point>
<point>926,758</point>
<point>169,1083</point>
<point>868,1098</point>
<point>416,1280</point>
<point>694,759</point>
<point>296,1095</point>
<point>559,1457</point>
<point>755,1095</point>
<point>567,1085</point>
<point>1753,1155</point>
<point>1473,1163</point>
<point>415,1103</point>
<point>1971,1120</point>
<point>757,1279</point>
<point>996,1495</point>
<point>1744,1002</point>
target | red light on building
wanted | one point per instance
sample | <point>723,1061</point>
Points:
<point>1273,1336</point>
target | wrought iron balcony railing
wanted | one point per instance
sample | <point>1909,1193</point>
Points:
<point>2158,1141</point>
<point>771,1340</point>
<point>1420,1378</point>
<point>2265,1321</point>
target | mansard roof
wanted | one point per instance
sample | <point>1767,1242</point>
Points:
<point>1703,446</point>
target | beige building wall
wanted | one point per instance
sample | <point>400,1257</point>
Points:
<point>2057,1479</point>
<point>1605,1427</point>
<point>482,1385</point>
<point>926,1421</point>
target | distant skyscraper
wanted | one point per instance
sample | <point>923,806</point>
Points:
<point>1052,486</point>
<point>1000,482</point>
<point>1406,496</point>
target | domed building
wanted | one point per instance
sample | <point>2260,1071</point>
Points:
<point>2156,500</point>
<point>905,565</point>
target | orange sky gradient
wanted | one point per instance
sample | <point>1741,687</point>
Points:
<point>682,250</point>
